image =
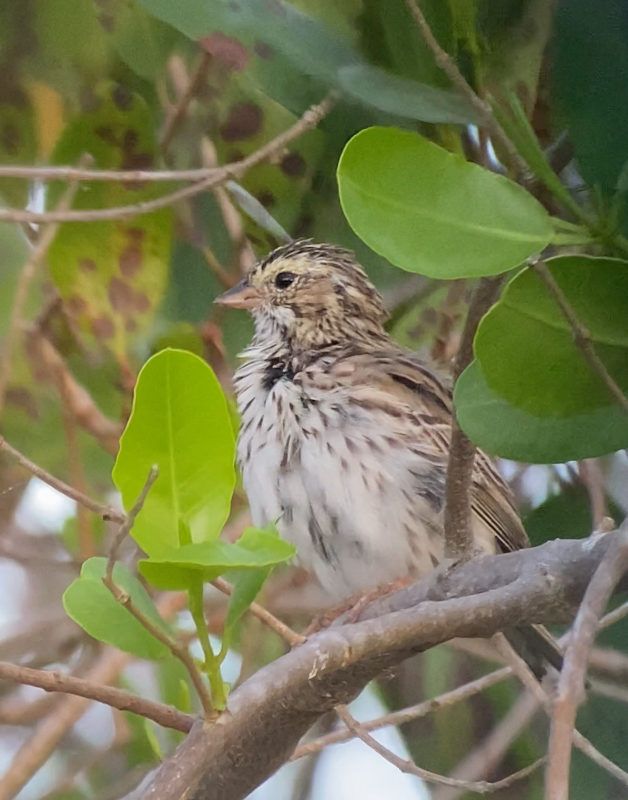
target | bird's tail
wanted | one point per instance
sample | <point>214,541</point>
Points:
<point>537,648</point>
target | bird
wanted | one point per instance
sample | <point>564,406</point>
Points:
<point>344,434</point>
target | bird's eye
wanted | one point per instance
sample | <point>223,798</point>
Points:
<point>284,279</point>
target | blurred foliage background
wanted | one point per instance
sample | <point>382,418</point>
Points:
<point>193,84</point>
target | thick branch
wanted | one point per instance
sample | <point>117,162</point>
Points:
<point>273,709</point>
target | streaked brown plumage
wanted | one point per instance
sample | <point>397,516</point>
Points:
<point>344,438</point>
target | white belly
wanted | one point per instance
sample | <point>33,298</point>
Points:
<point>336,488</point>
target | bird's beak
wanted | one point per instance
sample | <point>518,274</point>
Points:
<point>243,295</point>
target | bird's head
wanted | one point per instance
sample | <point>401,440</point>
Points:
<point>310,295</point>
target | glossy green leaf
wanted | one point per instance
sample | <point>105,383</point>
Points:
<point>403,97</point>
<point>429,211</point>
<point>527,349</point>
<point>90,604</point>
<point>176,569</point>
<point>112,275</point>
<point>503,430</point>
<point>246,587</point>
<point>179,422</point>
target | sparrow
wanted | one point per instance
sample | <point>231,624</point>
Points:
<point>344,435</point>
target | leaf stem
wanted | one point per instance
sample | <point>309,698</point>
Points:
<point>211,665</point>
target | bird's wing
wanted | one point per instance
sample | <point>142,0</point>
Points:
<point>399,385</point>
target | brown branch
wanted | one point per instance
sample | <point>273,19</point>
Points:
<point>194,86</point>
<point>106,175</point>
<point>410,768</point>
<point>108,513</point>
<point>270,712</point>
<point>116,698</point>
<point>45,357</point>
<point>458,534</point>
<point>571,685</point>
<point>41,744</point>
<point>581,335</point>
<point>281,629</point>
<point>232,171</point>
<point>480,106</point>
<point>406,715</point>
<point>27,275</point>
<point>129,521</point>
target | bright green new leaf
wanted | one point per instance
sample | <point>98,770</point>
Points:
<point>177,569</point>
<point>427,210</point>
<point>503,430</point>
<point>527,349</point>
<point>403,97</point>
<point>179,422</point>
<point>246,586</point>
<point>91,605</point>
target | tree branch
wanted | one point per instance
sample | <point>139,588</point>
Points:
<point>108,513</point>
<point>271,711</point>
<point>233,171</point>
<point>571,685</point>
<point>56,681</point>
<point>458,530</point>
<point>408,767</point>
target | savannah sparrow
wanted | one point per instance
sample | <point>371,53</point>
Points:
<point>345,435</point>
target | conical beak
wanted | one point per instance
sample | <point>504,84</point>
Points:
<point>240,296</point>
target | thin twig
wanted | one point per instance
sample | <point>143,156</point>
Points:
<point>408,714</point>
<point>107,175</point>
<point>41,743</point>
<point>458,533</point>
<point>178,651</point>
<point>281,629</point>
<point>481,107</point>
<point>108,513</point>
<point>194,86</point>
<point>232,171</point>
<point>27,275</point>
<point>406,766</point>
<point>56,681</point>
<point>581,335</point>
<point>571,685</point>
<point>127,524</point>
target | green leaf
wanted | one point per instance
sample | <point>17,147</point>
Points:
<point>176,569</point>
<point>246,587</point>
<point>18,140</point>
<point>527,349</point>
<point>179,422</point>
<point>503,430</point>
<point>590,79</point>
<point>403,97</point>
<point>429,211</point>
<point>90,604</point>
<point>112,275</point>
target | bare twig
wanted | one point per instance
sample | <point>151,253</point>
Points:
<point>163,715</point>
<point>194,86</point>
<point>406,715</point>
<point>572,679</point>
<point>233,171</point>
<point>481,107</point>
<point>481,787</point>
<point>281,629</point>
<point>106,512</point>
<point>593,479</point>
<point>127,524</point>
<point>45,358</point>
<point>582,337</point>
<point>41,744</point>
<point>107,175</point>
<point>25,280</point>
<point>178,651</point>
<point>458,533</point>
